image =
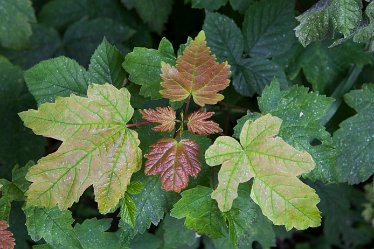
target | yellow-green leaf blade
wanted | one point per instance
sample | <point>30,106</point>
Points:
<point>97,149</point>
<point>274,165</point>
<point>228,152</point>
<point>287,201</point>
<point>105,106</point>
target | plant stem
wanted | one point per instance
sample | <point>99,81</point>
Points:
<point>138,123</point>
<point>338,93</point>
<point>187,106</point>
<point>212,177</point>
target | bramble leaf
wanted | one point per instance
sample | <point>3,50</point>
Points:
<point>97,148</point>
<point>174,161</point>
<point>274,165</point>
<point>355,138</point>
<point>200,211</point>
<point>164,115</point>
<point>6,237</point>
<point>197,73</point>
<point>198,124</point>
<point>268,28</point>
<point>319,22</point>
<point>16,18</point>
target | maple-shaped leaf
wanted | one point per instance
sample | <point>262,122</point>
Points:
<point>198,124</point>
<point>174,161</point>
<point>274,165</point>
<point>196,73</point>
<point>98,149</point>
<point>6,237</point>
<point>163,115</point>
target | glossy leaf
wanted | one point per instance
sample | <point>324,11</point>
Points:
<point>196,73</point>
<point>355,138</point>
<point>274,165</point>
<point>105,65</point>
<point>6,237</point>
<point>198,124</point>
<point>174,161</point>
<point>97,148</point>
<point>201,212</point>
<point>165,116</point>
<point>319,22</point>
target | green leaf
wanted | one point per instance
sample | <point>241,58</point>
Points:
<point>98,149</point>
<point>268,28</point>
<point>355,140</point>
<point>240,5</point>
<point>154,12</point>
<point>365,32</point>
<point>210,5</point>
<point>151,204</point>
<point>346,15</point>
<point>128,210</point>
<point>60,13</point>
<point>15,190</point>
<point>326,16</point>
<point>324,66</point>
<point>300,111</point>
<point>176,235</point>
<point>200,211</point>
<point>92,234</point>
<point>343,227</point>
<point>53,225</point>
<point>146,241</point>
<point>15,22</point>
<point>251,75</point>
<point>17,143</point>
<point>256,226</point>
<point>105,65</point>
<point>224,37</point>
<point>43,44</point>
<point>59,76</point>
<point>81,39</point>
<point>144,67</point>
<point>274,165</point>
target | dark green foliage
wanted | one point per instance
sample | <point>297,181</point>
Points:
<point>308,63</point>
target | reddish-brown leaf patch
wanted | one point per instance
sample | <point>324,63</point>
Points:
<point>6,237</point>
<point>165,116</point>
<point>174,161</point>
<point>198,123</point>
<point>197,73</point>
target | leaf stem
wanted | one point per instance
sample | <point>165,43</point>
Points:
<point>138,123</point>
<point>187,106</point>
<point>338,93</point>
<point>212,177</point>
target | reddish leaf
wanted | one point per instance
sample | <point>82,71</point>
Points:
<point>174,161</point>
<point>197,73</point>
<point>198,123</point>
<point>6,237</point>
<point>163,115</point>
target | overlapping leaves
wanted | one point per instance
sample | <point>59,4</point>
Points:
<point>274,165</point>
<point>97,148</point>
